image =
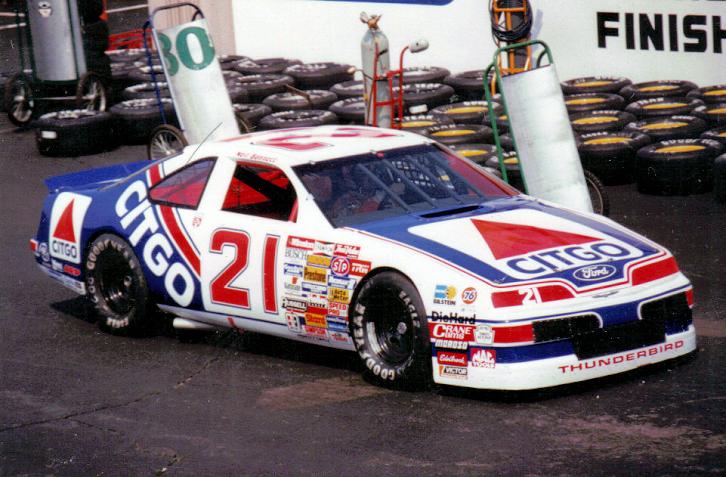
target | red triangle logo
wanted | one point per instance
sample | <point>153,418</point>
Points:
<point>64,229</point>
<point>509,240</point>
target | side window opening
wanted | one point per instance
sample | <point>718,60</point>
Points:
<point>183,188</point>
<point>262,191</point>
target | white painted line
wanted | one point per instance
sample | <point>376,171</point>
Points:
<point>126,9</point>
<point>10,14</point>
<point>10,27</point>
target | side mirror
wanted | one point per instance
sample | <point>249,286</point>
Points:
<point>418,46</point>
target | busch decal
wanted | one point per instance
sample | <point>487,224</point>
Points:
<point>66,224</point>
<point>484,358</point>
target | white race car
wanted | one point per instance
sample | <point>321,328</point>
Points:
<point>376,241</point>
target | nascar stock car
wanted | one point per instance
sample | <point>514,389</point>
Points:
<point>377,241</point>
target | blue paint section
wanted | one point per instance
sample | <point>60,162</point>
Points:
<point>397,229</point>
<point>406,2</point>
<point>94,178</point>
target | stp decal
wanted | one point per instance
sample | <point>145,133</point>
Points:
<point>66,223</point>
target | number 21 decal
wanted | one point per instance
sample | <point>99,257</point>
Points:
<point>221,289</point>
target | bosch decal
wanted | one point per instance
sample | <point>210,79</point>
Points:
<point>66,223</point>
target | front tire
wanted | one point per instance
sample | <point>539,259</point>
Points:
<point>390,331</point>
<point>117,287</point>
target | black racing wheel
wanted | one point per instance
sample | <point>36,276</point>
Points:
<point>390,331</point>
<point>116,286</point>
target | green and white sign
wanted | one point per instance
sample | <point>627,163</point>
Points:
<point>196,83</point>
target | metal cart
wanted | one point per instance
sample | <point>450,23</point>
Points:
<point>52,61</point>
<point>543,140</point>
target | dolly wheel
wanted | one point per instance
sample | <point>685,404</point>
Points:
<point>165,141</point>
<point>598,195</point>
<point>91,93</point>
<point>19,99</point>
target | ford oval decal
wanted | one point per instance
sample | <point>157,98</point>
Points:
<point>593,273</point>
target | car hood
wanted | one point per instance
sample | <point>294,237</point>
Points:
<point>515,240</point>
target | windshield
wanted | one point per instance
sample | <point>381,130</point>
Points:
<point>421,179</point>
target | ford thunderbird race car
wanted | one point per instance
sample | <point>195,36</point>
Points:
<point>375,241</point>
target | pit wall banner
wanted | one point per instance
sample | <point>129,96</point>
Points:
<point>640,39</point>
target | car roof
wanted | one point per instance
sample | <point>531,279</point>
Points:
<point>293,147</point>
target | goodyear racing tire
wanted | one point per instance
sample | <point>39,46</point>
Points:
<point>655,89</point>
<point>719,179</point>
<point>662,107</point>
<point>677,167</point>
<point>456,134</point>
<point>421,123</point>
<point>116,286</point>
<point>264,66</point>
<point>259,87</point>
<point>138,117</point>
<point>600,120</point>
<point>717,134</point>
<point>611,155</point>
<point>298,119</point>
<point>713,113</point>
<point>467,112</point>
<point>469,85</point>
<point>319,75</point>
<point>710,94</point>
<point>581,103</point>
<point>349,89</point>
<point>350,110</point>
<point>145,91</point>
<point>502,123</point>
<point>477,153</point>
<point>249,115</point>
<point>390,331</point>
<point>75,132</point>
<point>424,74</point>
<point>665,129</point>
<point>228,62</point>
<point>142,74</point>
<point>511,166</point>
<point>421,97</point>
<point>291,101</point>
<point>594,84</point>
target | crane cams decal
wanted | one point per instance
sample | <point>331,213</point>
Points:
<point>66,223</point>
<point>136,214</point>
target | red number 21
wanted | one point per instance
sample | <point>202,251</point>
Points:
<point>221,288</point>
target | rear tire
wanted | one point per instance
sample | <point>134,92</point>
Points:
<point>117,287</point>
<point>390,331</point>
<point>598,195</point>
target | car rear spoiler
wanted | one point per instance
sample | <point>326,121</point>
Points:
<point>94,178</point>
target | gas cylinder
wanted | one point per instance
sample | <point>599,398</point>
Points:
<point>376,62</point>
